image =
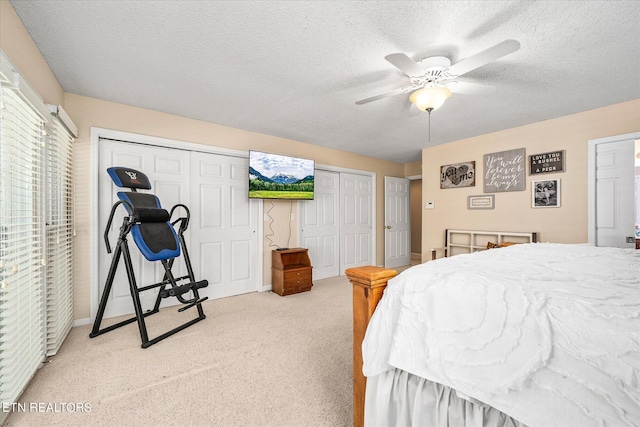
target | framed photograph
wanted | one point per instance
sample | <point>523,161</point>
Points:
<point>458,175</point>
<point>545,194</point>
<point>483,201</point>
<point>505,171</point>
<point>546,162</point>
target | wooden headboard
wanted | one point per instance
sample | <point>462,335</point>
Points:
<point>468,241</point>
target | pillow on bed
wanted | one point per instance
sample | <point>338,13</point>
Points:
<point>491,245</point>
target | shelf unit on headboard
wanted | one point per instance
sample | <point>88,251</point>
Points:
<point>468,241</point>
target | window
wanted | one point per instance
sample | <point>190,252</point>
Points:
<point>59,235</point>
<point>36,229</point>
<point>21,247</point>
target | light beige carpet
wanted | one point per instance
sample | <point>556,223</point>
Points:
<point>256,360</point>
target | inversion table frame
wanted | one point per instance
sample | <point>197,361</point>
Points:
<point>156,238</point>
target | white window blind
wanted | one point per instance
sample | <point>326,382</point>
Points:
<point>21,243</point>
<point>59,235</point>
<point>36,230</point>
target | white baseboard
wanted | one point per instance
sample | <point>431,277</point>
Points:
<point>81,322</point>
<point>266,288</point>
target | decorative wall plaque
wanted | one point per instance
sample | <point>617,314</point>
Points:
<point>546,162</point>
<point>483,201</point>
<point>504,171</point>
<point>458,175</point>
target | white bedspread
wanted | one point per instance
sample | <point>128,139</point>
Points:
<point>547,333</point>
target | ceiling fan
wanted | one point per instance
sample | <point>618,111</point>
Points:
<point>433,79</point>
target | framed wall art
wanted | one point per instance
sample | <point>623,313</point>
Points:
<point>458,175</point>
<point>545,194</point>
<point>483,201</point>
<point>546,162</point>
<point>504,171</point>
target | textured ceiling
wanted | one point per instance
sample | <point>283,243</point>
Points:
<point>295,69</point>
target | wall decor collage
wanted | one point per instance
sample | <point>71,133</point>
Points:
<point>506,171</point>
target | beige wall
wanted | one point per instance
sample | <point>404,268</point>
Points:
<point>413,168</point>
<point>513,211</point>
<point>16,42</point>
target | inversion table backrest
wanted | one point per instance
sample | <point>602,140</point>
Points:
<point>153,233</point>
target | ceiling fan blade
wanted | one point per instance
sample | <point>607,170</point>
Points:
<point>467,88</point>
<point>483,58</point>
<point>400,90</point>
<point>405,64</point>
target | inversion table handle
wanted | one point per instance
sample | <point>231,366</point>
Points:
<point>113,211</point>
<point>184,221</point>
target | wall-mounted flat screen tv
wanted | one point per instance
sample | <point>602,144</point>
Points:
<point>272,176</point>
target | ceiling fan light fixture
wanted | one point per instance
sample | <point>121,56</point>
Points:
<point>430,98</point>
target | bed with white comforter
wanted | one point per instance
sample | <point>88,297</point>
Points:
<point>548,334</point>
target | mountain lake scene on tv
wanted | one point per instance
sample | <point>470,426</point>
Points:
<point>280,177</point>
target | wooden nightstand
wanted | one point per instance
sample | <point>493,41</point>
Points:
<point>291,271</point>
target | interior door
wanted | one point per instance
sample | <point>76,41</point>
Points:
<point>615,193</point>
<point>356,237</point>
<point>320,225</point>
<point>167,170</point>
<point>224,241</point>
<point>397,233</point>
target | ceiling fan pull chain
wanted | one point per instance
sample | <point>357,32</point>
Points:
<point>429,110</point>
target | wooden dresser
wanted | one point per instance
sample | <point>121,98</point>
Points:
<point>291,271</point>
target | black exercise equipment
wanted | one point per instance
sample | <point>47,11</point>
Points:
<point>156,237</point>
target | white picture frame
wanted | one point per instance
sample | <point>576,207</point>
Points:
<point>545,193</point>
<point>483,201</point>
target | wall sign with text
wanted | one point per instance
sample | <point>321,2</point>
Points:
<point>458,175</point>
<point>546,162</point>
<point>504,171</point>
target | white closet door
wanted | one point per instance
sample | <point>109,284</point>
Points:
<point>224,240</point>
<point>320,225</point>
<point>168,172</point>
<point>356,238</point>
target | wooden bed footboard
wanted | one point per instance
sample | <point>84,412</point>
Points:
<point>368,284</point>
